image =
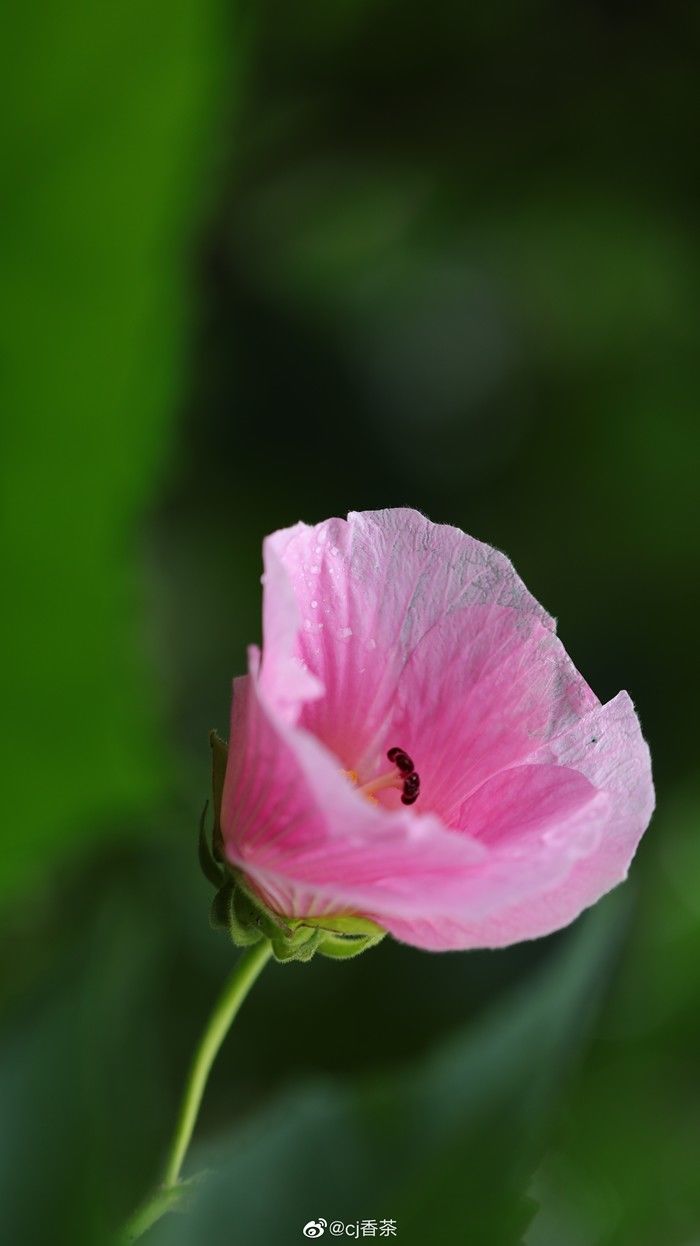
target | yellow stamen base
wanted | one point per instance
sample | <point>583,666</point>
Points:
<point>381,783</point>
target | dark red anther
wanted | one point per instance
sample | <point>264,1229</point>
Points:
<point>411,779</point>
<point>411,788</point>
<point>400,759</point>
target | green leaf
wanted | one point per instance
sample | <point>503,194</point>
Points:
<point>80,1070</point>
<point>105,130</point>
<point>445,1146</point>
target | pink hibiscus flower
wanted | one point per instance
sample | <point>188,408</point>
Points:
<point>415,746</point>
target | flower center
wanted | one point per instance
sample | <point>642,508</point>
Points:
<point>403,777</point>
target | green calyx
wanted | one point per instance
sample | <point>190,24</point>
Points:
<point>247,919</point>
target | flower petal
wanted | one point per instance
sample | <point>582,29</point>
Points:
<point>477,696</point>
<point>365,592</point>
<point>607,748</point>
<point>284,676</point>
<point>419,637</point>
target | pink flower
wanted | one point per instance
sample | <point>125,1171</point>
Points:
<point>416,747</point>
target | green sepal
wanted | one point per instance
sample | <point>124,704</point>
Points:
<point>345,924</point>
<point>212,858</point>
<point>219,758</point>
<point>301,946</point>
<point>247,919</point>
<point>223,916</point>
<point>242,931</point>
<point>343,947</point>
<point>212,872</point>
<point>345,934</point>
<point>220,911</point>
<point>250,909</point>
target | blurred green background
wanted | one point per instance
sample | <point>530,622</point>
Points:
<point>265,262</point>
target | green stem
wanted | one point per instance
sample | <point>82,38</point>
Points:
<point>248,967</point>
<point>149,1212</point>
<point>244,975</point>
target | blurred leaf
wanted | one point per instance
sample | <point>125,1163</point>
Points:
<point>625,1167</point>
<point>445,1147</point>
<point>81,1081</point>
<point>105,125</point>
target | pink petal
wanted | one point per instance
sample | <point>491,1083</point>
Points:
<point>366,591</point>
<point>418,636</point>
<point>284,677</point>
<point>607,748</point>
<point>525,805</point>
<point>476,696</point>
